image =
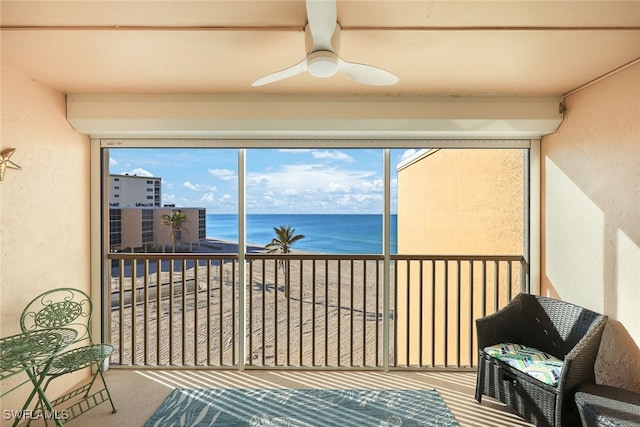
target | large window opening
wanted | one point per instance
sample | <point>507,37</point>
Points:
<point>310,257</point>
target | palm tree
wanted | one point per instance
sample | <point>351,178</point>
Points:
<point>285,238</point>
<point>175,221</point>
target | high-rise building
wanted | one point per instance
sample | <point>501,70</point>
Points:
<point>133,190</point>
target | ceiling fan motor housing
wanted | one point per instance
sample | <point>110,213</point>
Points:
<point>322,63</point>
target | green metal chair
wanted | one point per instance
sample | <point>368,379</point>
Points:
<point>71,308</point>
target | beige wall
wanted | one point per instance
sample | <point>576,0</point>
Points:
<point>44,208</point>
<point>131,228</point>
<point>591,215</point>
<point>456,202</point>
<point>462,202</point>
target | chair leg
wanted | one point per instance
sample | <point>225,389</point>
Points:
<point>480,377</point>
<point>113,407</point>
<point>90,385</point>
<point>40,404</point>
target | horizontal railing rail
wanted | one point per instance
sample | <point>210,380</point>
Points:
<point>304,310</point>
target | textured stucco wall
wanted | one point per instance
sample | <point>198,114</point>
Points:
<point>461,202</point>
<point>44,208</point>
<point>591,216</point>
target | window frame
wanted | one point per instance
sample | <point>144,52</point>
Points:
<point>99,210</point>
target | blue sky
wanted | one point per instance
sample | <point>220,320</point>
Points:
<point>278,180</point>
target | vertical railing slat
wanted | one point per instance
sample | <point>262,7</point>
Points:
<point>287,295</point>
<point>171,310</point>
<point>184,311</point>
<point>159,360</point>
<point>263,324</point>
<point>408,308</point>
<point>275,304</point>
<point>433,310</point>
<point>446,314</point>
<point>378,313</point>
<point>133,305</point>
<point>221,314</point>
<point>147,319</point>
<point>339,346</point>
<point>326,312</point>
<point>300,303</point>
<point>313,315</point>
<point>420,312</point>
<point>458,310</point>
<point>364,313</point>
<point>196,311</point>
<point>209,320</point>
<point>496,285</point>
<point>351,314</point>
<point>121,341</point>
<point>471,311</point>
<point>396,323</point>
<point>234,315</point>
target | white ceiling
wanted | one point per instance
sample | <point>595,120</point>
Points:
<point>511,47</point>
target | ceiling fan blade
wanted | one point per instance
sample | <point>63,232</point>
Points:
<point>367,74</point>
<point>323,17</point>
<point>300,67</point>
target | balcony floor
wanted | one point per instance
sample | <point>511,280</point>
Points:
<point>138,392</point>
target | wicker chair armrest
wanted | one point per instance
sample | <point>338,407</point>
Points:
<point>580,361</point>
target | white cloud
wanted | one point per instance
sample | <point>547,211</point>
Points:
<point>294,150</point>
<point>138,172</point>
<point>112,161</point>
<point>225,174</point>
<point>207,198</point>
<point>190,186</point>
<point>198,187</point>
<point>291,192</point>
<point>332,155</point>
<point>337,187</point>
<point>408,154</point>
<point>315,188</point>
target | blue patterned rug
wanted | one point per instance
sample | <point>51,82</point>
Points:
<point>301,407</point>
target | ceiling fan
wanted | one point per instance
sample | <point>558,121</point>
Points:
<point>322,40</point>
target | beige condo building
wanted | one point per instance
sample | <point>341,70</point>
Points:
<point>135,216</point>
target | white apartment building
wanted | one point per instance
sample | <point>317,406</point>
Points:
<point>132,190</point>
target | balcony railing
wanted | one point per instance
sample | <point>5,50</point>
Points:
<point>306,311</point>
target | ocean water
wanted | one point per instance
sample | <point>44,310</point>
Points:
<point>329,234</point>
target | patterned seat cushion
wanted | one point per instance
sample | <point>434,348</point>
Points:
<point>533,362</point>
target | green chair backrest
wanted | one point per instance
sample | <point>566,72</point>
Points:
<point>59,308</point>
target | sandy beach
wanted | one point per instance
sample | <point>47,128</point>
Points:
<point>222,246</point>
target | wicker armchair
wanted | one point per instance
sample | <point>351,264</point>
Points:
<point>566,331</point>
